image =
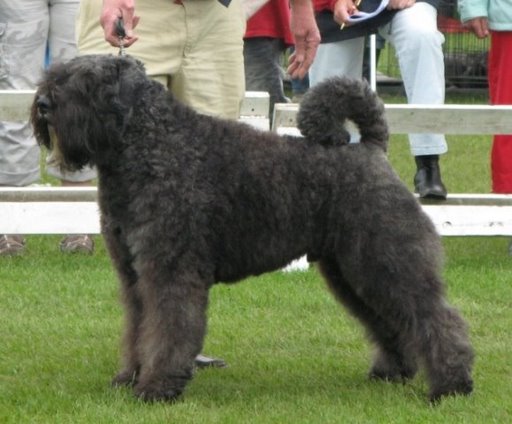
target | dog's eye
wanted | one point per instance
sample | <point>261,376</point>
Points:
<point>43,104</point>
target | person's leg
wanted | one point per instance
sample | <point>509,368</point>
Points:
<point>23,34</point>
<point>337,59</point>
<point>211,78</point>
<point>24,29</point>
<point>299,86</point>
<point>500,91</point>
<point>62,47</point>
<point>263,72</point>
<point>418,44</point>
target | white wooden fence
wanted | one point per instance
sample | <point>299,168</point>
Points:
<point>460,214</point>
<point>59,210</point>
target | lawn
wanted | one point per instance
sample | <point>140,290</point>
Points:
<point>294,355</point>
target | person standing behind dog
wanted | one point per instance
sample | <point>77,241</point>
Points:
<point>267,38</point>
<point>27,28</point>
<point>493,18</point>
<point>411,27</point>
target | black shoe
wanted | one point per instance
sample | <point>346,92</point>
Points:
<point>206,362</point>
<point>427,181</point>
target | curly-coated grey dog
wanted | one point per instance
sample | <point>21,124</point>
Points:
<point>189,200</point>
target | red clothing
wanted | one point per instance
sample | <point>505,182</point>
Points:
<point>272,20</point>
<point>500,93</point>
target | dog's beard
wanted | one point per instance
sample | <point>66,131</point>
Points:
<point>55,157</point>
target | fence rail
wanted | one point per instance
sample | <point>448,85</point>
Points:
<point>65,210</point>
<point>461,214</point>
<point>409,118</point>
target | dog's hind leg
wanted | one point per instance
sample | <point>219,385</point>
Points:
<point>413,323</point>
<point>446,350</point>
<point>122,260</point>
<point>173,329</point>
<point>395,358</point>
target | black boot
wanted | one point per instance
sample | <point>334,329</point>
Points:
<point>427,181</point>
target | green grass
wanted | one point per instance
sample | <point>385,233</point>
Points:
<point>294,356</point>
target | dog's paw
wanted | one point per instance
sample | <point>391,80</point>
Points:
<point>161,386</point>
<point>392,374</point>
<point>462,387</point>
<point>125,378</point>
<point>157,392</point>
<point>385,376</point>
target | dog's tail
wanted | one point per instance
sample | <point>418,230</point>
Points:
<point>326,107</point>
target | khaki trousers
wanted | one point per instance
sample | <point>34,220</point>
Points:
<point>194,47</point>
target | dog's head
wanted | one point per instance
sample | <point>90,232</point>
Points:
<point>81,107</point>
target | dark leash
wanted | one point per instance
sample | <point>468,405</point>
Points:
<point>121,34</point>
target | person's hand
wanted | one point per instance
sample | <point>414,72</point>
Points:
<point>479,26</point>
<point>111,12</point>
<point>307,38</point>
<point>343,10</point>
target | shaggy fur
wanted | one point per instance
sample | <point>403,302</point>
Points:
<point>189,200</point>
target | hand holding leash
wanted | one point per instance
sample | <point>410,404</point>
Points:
<point>121,34</point>
<point>112,12</point>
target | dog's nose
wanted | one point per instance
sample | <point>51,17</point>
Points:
<point>43,104</point>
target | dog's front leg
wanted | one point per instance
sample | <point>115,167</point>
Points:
<point>123,262</point>
<point>172,331</point>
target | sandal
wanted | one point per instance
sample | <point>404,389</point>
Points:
<point>11,245</point>
<point>203,361</point>
<point>79,243</point>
